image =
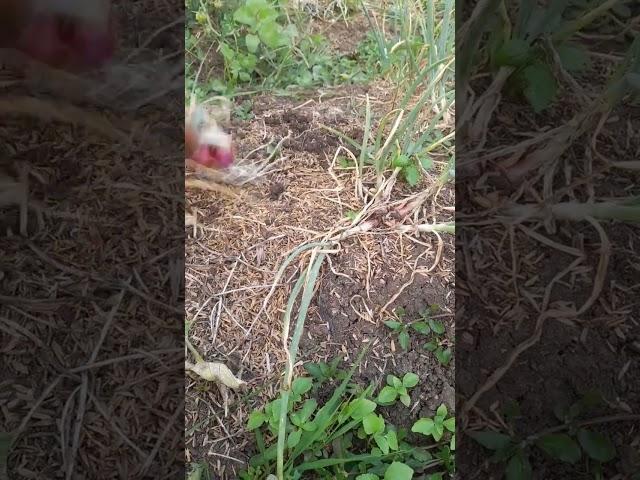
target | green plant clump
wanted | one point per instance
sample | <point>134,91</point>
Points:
<point>425,326</point>
<point>575,441</point>
<point>540,43</point>
<point>261,45</point>
<point>347,436</point>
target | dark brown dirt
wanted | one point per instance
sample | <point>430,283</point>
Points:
<point>344,36</point>
<point>335,329</point>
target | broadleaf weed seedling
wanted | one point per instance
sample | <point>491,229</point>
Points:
<point>397,389</point>
<point>410,167</point>
<point>437,344</point>
<point>323,372</point>
<point>538,35</point>
<point>437,425</point>
<point>402,329</point>
<point>426,326</point>
<point>575,440</point>
<point>199,471</point>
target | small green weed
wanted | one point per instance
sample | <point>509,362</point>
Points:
<point>323,372</point>
<point>437,425</point>
<point>397,389</point>
<point>541,35</point>
<point>410,167</point>
<point>243,110</point>
<point>575,440</point>
<point>402,328</point>
<point>425,326</point>
<point>199,471</point>
<point>435,329</point>
<point>352,215</point>
<point>437,345</point>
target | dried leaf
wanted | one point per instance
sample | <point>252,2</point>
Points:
<point>215,372</point>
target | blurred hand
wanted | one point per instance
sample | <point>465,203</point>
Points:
<point>68,34</point>
<point>211,149</point>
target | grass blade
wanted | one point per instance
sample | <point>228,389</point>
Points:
<point>325,415</point>
<point>309,285</point>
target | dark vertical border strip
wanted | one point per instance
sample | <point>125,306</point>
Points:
<point>92,263</point>
<point>547,287</point>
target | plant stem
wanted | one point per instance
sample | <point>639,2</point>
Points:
<point>627,165</point>
<point>584,423</point>
<point>582,22</point>
<point>429,228</point>
<point>282,429</point>
<point>577,211</point>
<point>308,279</point>
<point>193,351</point>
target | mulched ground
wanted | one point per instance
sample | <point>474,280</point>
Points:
<point>232,260</point>
<point>238,244</point>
